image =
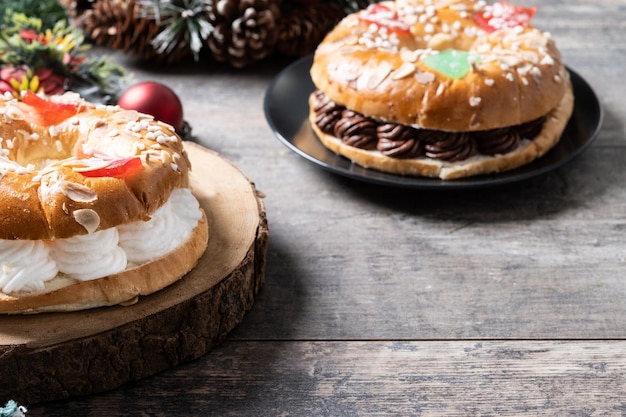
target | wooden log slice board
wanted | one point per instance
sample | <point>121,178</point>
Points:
<point>52,356</point>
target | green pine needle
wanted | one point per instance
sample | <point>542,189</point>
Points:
<point>183,20</point>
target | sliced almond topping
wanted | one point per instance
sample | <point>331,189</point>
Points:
<point>530,56</point>
<point>87,218</point>
<point>425,77</point>
<point>371,79</point>
<point>474,122</point>
<point>83,165</point>
<point>344,73</point>
<point>14,113</point>
<point>165,157</point>
<point>440,41</point>
<point>533,40</point>
<point>79,193</point>
<point>510,60</point>
<point>379,75</point>
<point>407,55</point>
<point>404,71</point>
<point>440,89</point>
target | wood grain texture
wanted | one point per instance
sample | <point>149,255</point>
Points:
<point>375,299</point>
<point>432,378</point>
<point>51,356</point>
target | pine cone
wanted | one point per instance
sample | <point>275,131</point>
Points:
<point>76,8</point>
<point>302,27</point>
<point>116,24</point>
<point>245,30</point>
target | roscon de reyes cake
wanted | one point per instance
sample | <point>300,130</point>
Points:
<point>95,205</point>
<point>447,88</point>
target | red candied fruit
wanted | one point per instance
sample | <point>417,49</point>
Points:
<point>119,168</point>
<point>48,113</point>
<point>384,17</point>
<point>503,15</point>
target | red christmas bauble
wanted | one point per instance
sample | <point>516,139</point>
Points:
<point>155,99</point>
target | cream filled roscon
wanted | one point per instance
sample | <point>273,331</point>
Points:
<point>439,88</point>
<point>95,205</point>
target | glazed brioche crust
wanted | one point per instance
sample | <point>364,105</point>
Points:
<point>43,201</point>
<point>527,152</point>
<point>518,74</point>
<point>122,288</point>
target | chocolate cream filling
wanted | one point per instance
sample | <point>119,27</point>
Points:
<point>403,142</point>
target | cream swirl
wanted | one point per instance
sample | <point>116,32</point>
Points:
<point>170,226</point>
<point>90,256</point>
<point>26,265</point>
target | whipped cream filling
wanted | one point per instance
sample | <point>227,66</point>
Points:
<point>26,265</point>
<point>169,227</point>
<point>88,257</point>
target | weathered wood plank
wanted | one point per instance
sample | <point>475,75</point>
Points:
<point>433,378</point>
<point>539,260</point>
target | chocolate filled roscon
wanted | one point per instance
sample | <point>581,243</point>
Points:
<point>447,88</point>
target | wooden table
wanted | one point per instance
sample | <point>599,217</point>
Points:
<point>381,301</point>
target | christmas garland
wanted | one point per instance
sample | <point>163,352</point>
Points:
<point>44,43</point>
<point>236,32</point>
<point>45,57</point>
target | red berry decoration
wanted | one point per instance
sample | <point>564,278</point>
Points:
<point>155,99</point>
<point>503,15</point>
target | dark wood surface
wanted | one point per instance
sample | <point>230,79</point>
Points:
<point>379,301</point>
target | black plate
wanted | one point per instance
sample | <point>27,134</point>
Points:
<point>286,109</point>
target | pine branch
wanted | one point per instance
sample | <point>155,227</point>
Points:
<point>183,20</point>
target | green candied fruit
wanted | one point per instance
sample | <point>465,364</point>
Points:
<point>451,62</point>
